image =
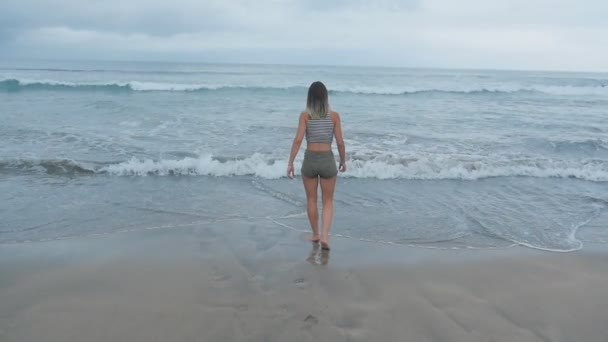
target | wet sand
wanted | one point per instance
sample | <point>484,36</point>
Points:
<point>246,282</point>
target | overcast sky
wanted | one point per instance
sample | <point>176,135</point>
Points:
<point>504,34</point>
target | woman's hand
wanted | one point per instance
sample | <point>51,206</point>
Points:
<point>290,171</point>
<point>342,167</point>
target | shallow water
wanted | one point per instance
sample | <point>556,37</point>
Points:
<point>437,158</point>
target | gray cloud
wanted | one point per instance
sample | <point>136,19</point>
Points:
<point>542,34</point>
<point>150,17</point>
<point>318,6</point>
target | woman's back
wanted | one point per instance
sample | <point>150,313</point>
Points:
<point>320,130</point>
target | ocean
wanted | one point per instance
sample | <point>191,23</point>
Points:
<point>452,159</point>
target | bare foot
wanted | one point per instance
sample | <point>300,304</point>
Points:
<point>324,245</point>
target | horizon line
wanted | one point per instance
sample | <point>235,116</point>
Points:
<point>160,61</point>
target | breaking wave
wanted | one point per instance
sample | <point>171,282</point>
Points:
<point>15,85</point>
<point>422,167</point>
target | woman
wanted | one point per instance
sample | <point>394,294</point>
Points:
<point>319,124</point>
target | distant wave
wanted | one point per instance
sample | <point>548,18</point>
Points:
<point>19,85</point>
<point>426,167</point>
<point>131,71</point>
<point>14,85</point>
<point>11,85</point>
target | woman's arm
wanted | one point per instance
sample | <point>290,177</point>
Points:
<point>297,142</point>
<point>340,142</point>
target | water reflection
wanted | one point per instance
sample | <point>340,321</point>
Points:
<point>318,256</point>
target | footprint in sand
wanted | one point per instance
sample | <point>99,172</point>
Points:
<point>301,283</point>
<point>311,320</point>
<point>219,276</point>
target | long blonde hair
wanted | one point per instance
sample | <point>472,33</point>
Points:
<point>317,104</point>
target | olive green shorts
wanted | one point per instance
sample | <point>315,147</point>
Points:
<point>319,164</point>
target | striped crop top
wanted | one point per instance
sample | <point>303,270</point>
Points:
<point>320,130</point>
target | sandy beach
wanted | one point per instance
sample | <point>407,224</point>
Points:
<point>251,282</point>
<point>150,189</point>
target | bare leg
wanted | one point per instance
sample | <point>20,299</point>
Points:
<point>310,185</point>
<point>327,193</point>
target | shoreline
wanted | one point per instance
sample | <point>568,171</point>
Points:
<point>249,282</point>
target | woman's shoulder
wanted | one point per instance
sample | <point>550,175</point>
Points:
<point>334,115</point>
<point>304,116</point>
